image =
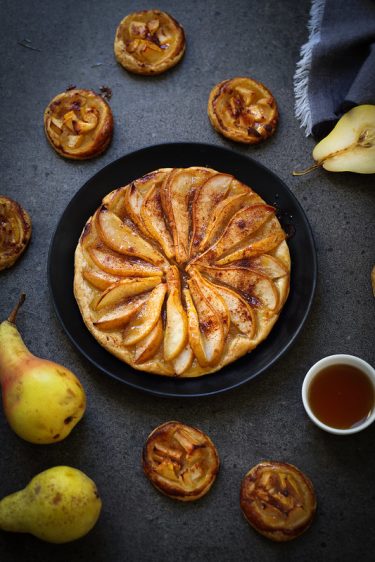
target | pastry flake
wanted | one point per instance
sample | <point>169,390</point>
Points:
<point>15,231</point>
<point>149,42</point>
<point>278,500</point>
<point>78,124</point>
<point>181,461</point>
<point>182,271</point>
<point>243,110</point>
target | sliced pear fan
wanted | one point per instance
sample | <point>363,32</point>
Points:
<point>182,271</point>
<point>146,318</point>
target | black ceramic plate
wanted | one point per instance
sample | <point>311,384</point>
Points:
<point>132,166</point>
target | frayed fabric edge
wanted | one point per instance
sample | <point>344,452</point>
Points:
<point>302,107</point>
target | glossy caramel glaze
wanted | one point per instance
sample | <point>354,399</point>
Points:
<point>78,124</point>
<point>149,42</point>
<point>180,461</point>
<point>278,500</point>
<point>15,231</point>
<point>243,110</point>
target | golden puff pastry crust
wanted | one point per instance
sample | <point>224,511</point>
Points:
<point>181,461</point>
<point>182,271</point>
<point>15,231</point>
<point>278,500</point>
<point>243,110</point>
<point>78,124</point>
<point>149,42</point>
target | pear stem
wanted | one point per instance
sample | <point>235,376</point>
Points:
<point>307,170</point>
<point>13,314</point>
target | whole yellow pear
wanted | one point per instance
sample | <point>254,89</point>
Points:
<point>42,400</point>
<point>350,146</point>
<point>59,505</point>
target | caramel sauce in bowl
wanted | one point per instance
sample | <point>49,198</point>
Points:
<point>338,394</point>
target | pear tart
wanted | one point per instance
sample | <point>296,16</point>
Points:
<point>78,124</point>
<point>278,500</point>
<point>182,271</point>
<point>243,110</point>
<point>15,231</point>
<point>180,461</point>
<point>149,42</point>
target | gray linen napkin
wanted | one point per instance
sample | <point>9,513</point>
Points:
<point>337,66</point>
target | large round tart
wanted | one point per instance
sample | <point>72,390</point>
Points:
<point>182,271</point>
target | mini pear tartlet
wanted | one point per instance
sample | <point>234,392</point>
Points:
<point>149,42</point>
<point>181,461</point>
<point>243,110</point>
<point>278,500</point>
<point>15,231</point>
<point>182,271</point>
<point>78,124</point>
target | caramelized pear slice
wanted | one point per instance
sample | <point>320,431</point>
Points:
<point>147,347</point>
<point>124,289</point>
<point>241,314</point>
<point>120,316</point>
<point>266,239</point>
<point>258,289</point>
<point>136,192</point>
<point>242,225</point>
<point>146,318</point>
<point>99,279</point>
<point>213,298</point>
<point>117,264</point>
<point>195,339</point>
<point>210,327</point>
<point>205,200</point>
<point>266,265</point>
<point>176,329</point>
<point>175,196</point>
<point>153,217</point>
<point>184,360</point>
<point>223,213</point>
<point>123,239</point>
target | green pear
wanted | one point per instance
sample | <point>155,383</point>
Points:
<point>350,146</point>
<point>59,505</point>
<point>42,400</point>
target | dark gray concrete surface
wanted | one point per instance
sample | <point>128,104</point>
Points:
<point>261,420</point>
